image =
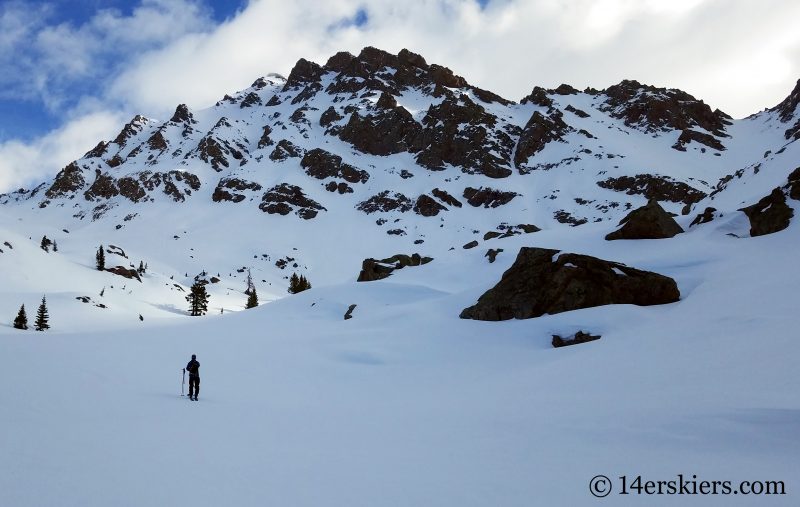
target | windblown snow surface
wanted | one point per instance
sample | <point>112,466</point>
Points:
<point>405,404</point>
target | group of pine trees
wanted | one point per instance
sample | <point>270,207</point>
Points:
<point>298,283</point>
<point>42,317</point>
<point>47,243</point>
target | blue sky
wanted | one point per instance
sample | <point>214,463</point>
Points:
<point>27,117</point>
<point>73,72</point>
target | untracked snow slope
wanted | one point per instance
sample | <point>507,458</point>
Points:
<point>405,404</point>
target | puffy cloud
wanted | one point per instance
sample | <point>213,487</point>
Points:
<point>23,163</point>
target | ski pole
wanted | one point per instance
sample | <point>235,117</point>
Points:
<point>183,382</point>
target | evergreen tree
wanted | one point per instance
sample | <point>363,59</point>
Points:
<point>198,299</point>
<point>55,246</point>
<point>42,316</point>
<point>100,257</point>
<point>141,269</point>
<point>298,283</point>
<point>252,299</point>
<point>45,244</point>
<point>250,285</point>
<point>21,322</point>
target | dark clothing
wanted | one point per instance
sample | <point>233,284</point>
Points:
<point>194,386</point>
<point>193,367</point>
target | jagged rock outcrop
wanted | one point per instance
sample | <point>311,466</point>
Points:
<point>384,132</point>
<point>321,164</point>
<point>385,201</point>
<point>703,218</point>
<point>654,109</point>
<point>285,150</point>
<point>660,188</point>
<point>461,133</point>
<point>227,189</point>
<point>769,215</point>
<point>689,135</point>
<point>284,199</point>
<point>488,197</point>
<point>788,111</point>
<point>373,269</point>
<point>427,206</point>
<point>67,182</point>
<point>539,131</point>
<point>648,222</point>
<point>446,198</point>
<point>543,281</point>
<point>129,273</point>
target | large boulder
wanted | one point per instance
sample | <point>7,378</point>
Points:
<point>770,214</point>
<point>648,222</point>
<point>543,281</point>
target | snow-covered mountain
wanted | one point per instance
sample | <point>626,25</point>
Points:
<point>380,154</point>
<point>375,155</point>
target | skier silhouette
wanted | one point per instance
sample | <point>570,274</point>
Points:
<point>193,367</point>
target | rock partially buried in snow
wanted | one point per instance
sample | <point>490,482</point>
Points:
<point>648,222</point>
<point>580,337</point>
<point>770,214</point>
<point>372,269</point>
<point>543,281</point>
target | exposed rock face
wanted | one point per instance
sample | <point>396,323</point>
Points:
<point>579,337</point>
<point>648,222</point>
<point>654,109</point>
<point>67,181</point>
<point>265,140</point>
<point>329,116</point>
<point>793,186</point>
<point>543,281</point>
<point>446,198</point>
<point>182,115</point>
<point>321,164</point>
<point>227,188</point>
<point>539,131</point>
<point>131,129</point>
<point>126,272</point>
<point>98,151</point>
<point>689,135</point>
<point>461,133</point>
<point>284,198</point>
<point>103,188</point>
<point>660,188</point>
<point>702,218</point>
<point>302,73</point>
<point>427,206</point>
<point>770,214</point>
<point>492,254</point>
<point>488,197</point>
<point>387,131</point>
<point>787,108</point>
<point>285,150</point>
<point>372,269</point>
<point>385,201</point>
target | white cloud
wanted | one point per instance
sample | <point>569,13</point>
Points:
<point>737,55</point>
<point>23,163</point>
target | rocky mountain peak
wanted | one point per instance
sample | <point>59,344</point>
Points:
<point>654,109</point>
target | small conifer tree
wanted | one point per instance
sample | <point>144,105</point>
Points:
<point>141,269</point>
<point>21,322</point>
<point>198,299</point>
<point>55,246</point>
<point>252,299</point>
<point>42,317</point>
<point>45,244</point>
<point>100,257</point>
